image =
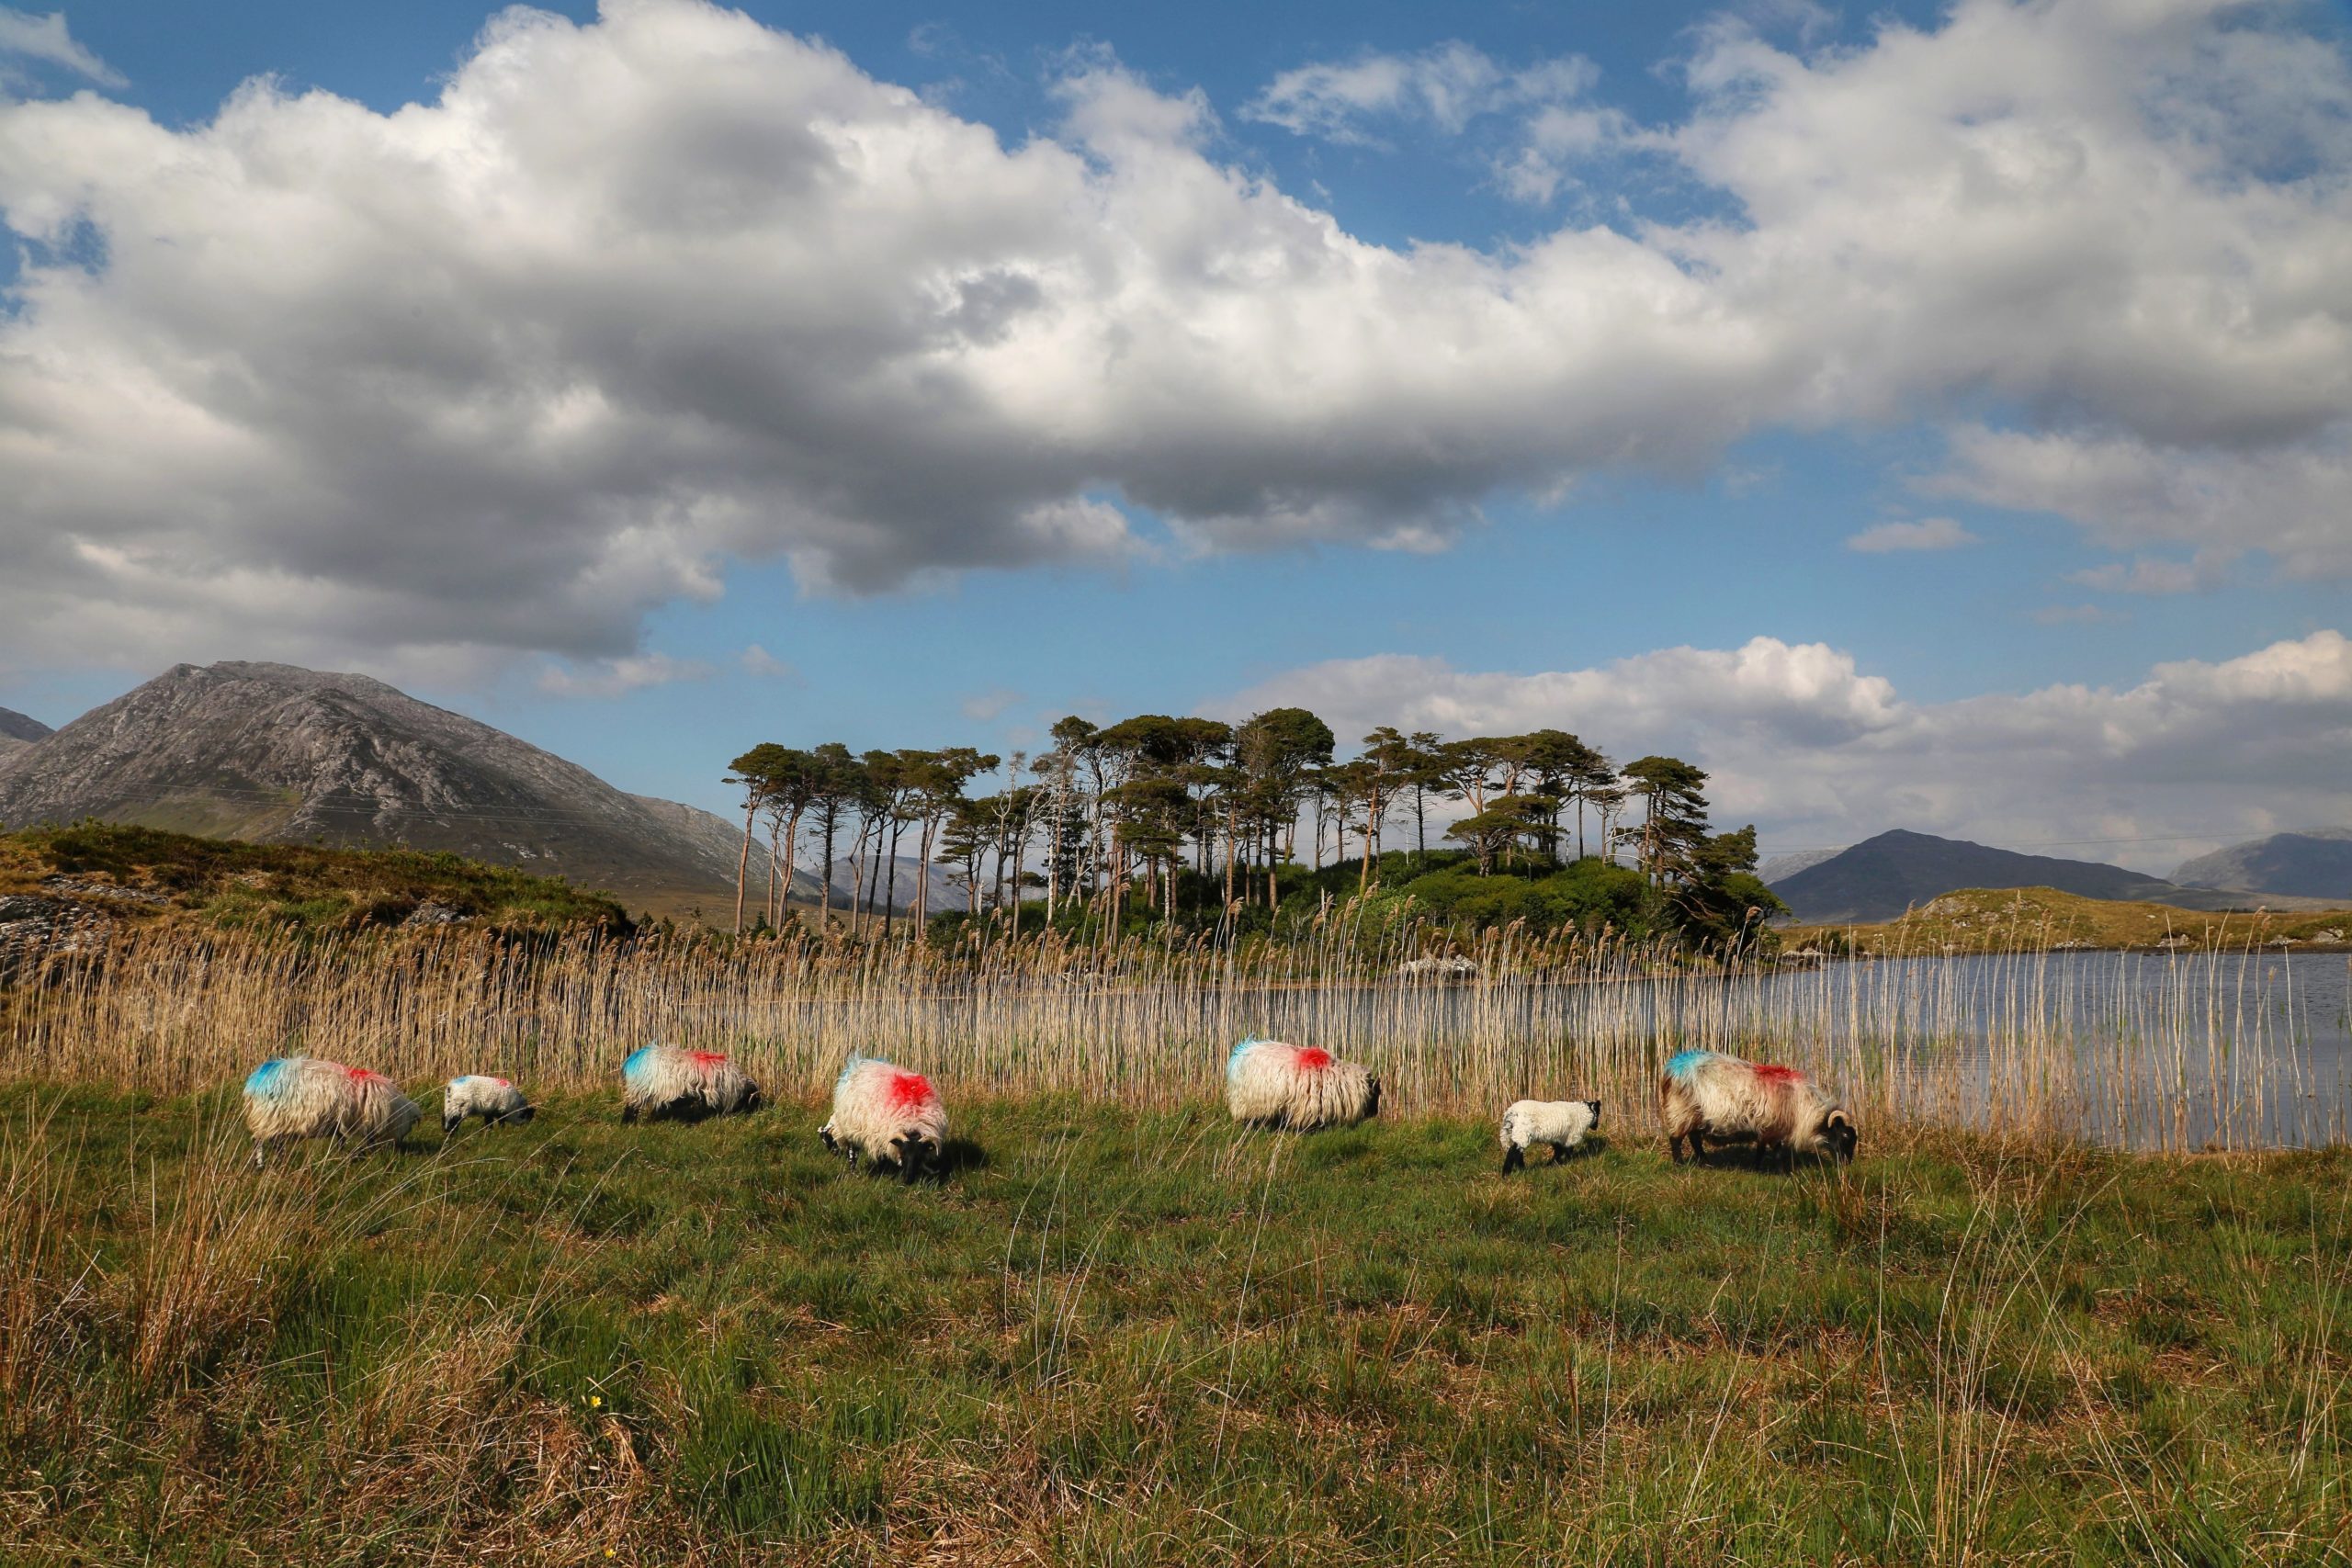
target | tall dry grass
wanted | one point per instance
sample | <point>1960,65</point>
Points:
<point>2178,1051</point>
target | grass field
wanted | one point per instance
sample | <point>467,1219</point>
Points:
<point>1154,1337</point>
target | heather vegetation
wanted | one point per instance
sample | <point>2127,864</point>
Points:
<point>146,873</point>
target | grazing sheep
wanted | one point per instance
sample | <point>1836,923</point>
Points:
<point>290,1097</point>
<point>1706,1095</point>
<point>661,1081</point>
<point>492,1100</point>
<point>1297,1087</point>
<point>890,1115</point>
<point>1559,1123</point>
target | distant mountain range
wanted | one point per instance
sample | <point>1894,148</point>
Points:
<point>2313,863</point>
<point>18,730</point>
<point>278,754</point>
<point>1879,878</point>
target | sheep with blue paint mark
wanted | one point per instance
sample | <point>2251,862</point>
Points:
<point>659,1081</point>
<point>495,1100</point>
<point>1562,1123</point>
<point>1707,1096</point>
<point>888,1115</point>
<point>289,1099</point>
<point>1299,1087</point>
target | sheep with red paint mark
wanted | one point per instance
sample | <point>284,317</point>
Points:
<point>495,1100</point>
<point>1300,1088</point>
<point>1707,1096</point>
<point>888,1115</point>
<point>289,1099</point>
<point>659,1081</point>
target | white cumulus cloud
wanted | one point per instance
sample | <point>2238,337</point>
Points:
<point>492,375</point>
<point>1802,742</point>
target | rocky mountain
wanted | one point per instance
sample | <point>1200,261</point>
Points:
<point>1780,868</point>
<point>2313,863</point>
<point>19,731</point>
<point>278,754</point>
<point>1879,878</point>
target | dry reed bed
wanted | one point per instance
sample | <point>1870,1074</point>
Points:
<point>2185,1050</point>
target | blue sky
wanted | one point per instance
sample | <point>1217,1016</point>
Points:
<point>1847,269</point>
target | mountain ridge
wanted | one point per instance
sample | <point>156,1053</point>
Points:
<point>1881,877</point>
<point>2314,863</point>
<point>276,753</point>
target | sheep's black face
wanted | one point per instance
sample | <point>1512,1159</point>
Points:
<point>1596,1111</point>
<point>1372,1106</point>
<point>825,1133</point>
<point>1841,1135</point>
<point>751,1097</point>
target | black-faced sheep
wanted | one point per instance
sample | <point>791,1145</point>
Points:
<point>290,1097</point>
<point>1297,1087</point>
<point>661,1081</point>
<point>888,1115</point>
<point>1705,1095</point>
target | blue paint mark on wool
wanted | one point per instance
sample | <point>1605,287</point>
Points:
<point>1683,1064</point>
<point>635,1066</point>
<point>1233,1062</point>
<point>857,1059</point>
<point>264,1081</point>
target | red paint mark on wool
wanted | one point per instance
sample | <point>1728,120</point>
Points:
<point>706,1060</point>
<point>1314,1058</point>
<point>360,1074</point>
<point>909,1091</point>
<point>1773,1073</point>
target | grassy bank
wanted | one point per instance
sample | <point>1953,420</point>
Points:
<point>149,876</point>
<point>1154,1337</point>
<point>2034,919</point>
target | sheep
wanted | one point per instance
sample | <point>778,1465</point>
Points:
<point>1298,1088</point>
<point>290,1097</point>
<point>890,1115</point>
<point>1559,1123</point>
<point>660,1081</point>
<point>1705,1094</point>
<point>493,1099</point>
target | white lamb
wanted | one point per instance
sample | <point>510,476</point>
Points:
<point>493,1099</point>
<point>1559,1123</point>
<point>888,1115</point>
<point>291,1097</point>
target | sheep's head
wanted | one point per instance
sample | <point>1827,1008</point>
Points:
<point>825,1133</point>
<point>1596,1110</point>
<point>751,1095</point>
<point>1371,1101</point>
<point>526,1113</point>
<point>1839,1134</point>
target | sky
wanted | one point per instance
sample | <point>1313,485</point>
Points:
<point>1933,417</point>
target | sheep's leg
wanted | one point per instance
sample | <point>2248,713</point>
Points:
<point>259,1145</point>
<point>450,1125</point>
<point>1559,1153</point>
<point>1674,1147</point>
<point>628,1114</point>
<point>1513,1158</point>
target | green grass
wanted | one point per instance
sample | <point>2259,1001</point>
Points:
<point>229,883</point>
<point>1153,1338</point>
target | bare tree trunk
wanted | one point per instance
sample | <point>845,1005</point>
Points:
<point>744,861</point>
<point>890,888</point>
